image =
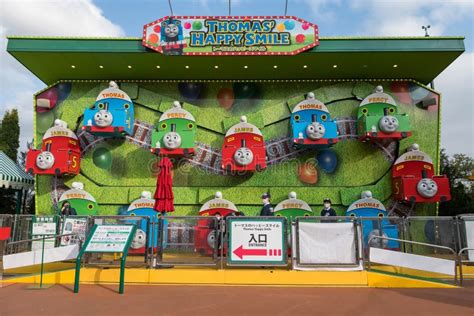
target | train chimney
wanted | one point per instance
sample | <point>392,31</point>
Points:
<point>173,127</point>
<point>385,111</point>
<point>424,174</point>
<point>313,118</point>
<point>242,143</point>
<point>48,147</point>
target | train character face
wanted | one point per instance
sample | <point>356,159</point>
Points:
<point>211,239</point>
<point>388,124</point>
<point>171,30</point>
<point>139,240</point>
<point>315,130</point>
<point>427,188</point>
<point>45,160</point>
<point>172,140</point>
<point>103,118</point>
<point>243,156</point>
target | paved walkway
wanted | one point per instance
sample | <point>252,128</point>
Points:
<point>238,300</point>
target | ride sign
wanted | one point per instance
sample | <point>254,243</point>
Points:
<point>109,238</point>
<point>257,241</point>
<point>230,35</point>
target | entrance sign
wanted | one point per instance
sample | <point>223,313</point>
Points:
<point>230,35</point>
<point>109,238</point>
<point>257,241</point>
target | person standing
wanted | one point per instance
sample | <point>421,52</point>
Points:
<point>328,210</point>
<point>267,209</point>
<point>67,210</point>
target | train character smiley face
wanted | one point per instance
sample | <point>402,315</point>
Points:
<point>112,114</point>
<point>103,118</point>
<point>45,160</point>
<point>378,118</point>
<point>427,188</point>
<point>311,125</point>
<point>414,179</point>
<point>175,134</point>
<point>244,148</point>
<point>59,154</point>
<point>243,156</point>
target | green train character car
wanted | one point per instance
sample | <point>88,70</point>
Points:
<point>83,202</point>
<point>378,118</point>
<point>175,134</point>
<point>292,208</point>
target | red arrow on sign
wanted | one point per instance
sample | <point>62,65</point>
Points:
<point>241,252</point>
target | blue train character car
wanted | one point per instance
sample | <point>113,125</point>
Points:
<point>144,207</point>
<point>112,114</point>
<point>377,225</point>
<point>172,40</point>
<point>311,124</point>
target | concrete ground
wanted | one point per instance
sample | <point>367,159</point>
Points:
<point>17,300</point>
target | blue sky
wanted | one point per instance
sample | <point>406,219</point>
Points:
<point>119,18</point>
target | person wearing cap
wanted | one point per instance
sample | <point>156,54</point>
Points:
<point>328,210</point>
<point>267,208</point>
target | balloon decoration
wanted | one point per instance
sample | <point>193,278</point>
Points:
<point>305,26</point>
<point>157,28</point>
<point>400,91</point>
<point>64,89</point>
<point>225,96</point>
<point>190,90</point>
<point>327,160</point>
<point>46,100</point>
<point>307,173</point>
<point>281,27</point>
<point>197,25</point>
<point>300,38</point>
<point>44,120</point>
<point>244,90</point>
<point>187,25</point>
<point>289,25</point>
<point>102,158</point>
<point>153,38</point>
<point>416,92</point>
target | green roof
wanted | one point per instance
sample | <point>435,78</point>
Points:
<point>13,176</point>
<point>418,58</point>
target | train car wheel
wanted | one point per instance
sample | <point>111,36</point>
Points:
<point>30,170</point>
<point>258,168</point>
<point>57,171</point>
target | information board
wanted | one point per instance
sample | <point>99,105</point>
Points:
<point>109,238</point>
<point>257,241</point>
<point>43,226</point>
<point>73,225</point>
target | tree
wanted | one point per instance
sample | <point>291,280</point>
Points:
<point>457,168</point>
<point>10,134</point>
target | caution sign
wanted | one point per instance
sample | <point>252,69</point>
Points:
<point>257,241</point>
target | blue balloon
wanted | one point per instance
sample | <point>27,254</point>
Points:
<point>190,90</point>
<point>64,88</point>
<point>417,93</point>
<point>289,25</point>
<point>327,160</point>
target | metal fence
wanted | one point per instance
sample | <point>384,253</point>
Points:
<point>202,241</point>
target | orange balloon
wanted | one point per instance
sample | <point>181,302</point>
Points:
<point>226,98</point>
<point>153,38</point>
<point>281,27</point>
<point>307,173</point>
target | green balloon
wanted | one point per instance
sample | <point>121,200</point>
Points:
<point>102,158</point>
<point>197,25</point>
<point>44,121</point>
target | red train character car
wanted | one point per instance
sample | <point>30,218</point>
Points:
<point>244,148</point>
<point>413,179</point>
<point>60,152</point>
<point>205,233</point>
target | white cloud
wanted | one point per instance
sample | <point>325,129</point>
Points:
<point>41,18</point>
<point>405,17</point>
<point>456,84</point>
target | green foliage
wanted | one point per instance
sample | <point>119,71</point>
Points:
<point>10,134</point>
<point>457,168</point>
